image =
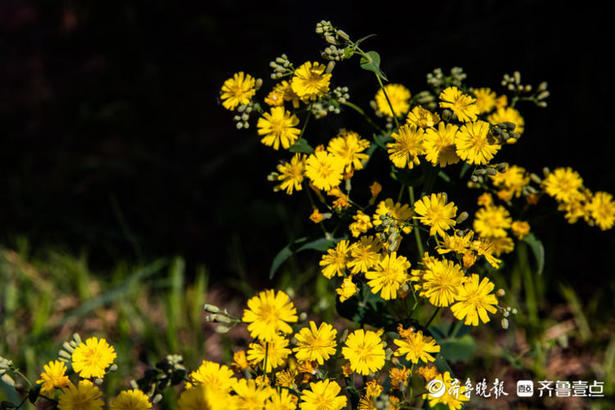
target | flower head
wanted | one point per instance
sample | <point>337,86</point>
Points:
<point>520,229</point>
<point>268,314</point>
<point>315,343</point>
<point>406,147</point>
<point>513,179</point>
<point>91,359</point>
<point>213,374</point>
<point>402,213</point>
<point>485,99</point>
<point>398,96</point>
<point>441,282</point>
<point>271,353</point>
<point>365,351</point>
<point>324,170</point>
<point>389,275</point>
<point>564,184</point>
<point>462,105</point>
<point>436,213</point>
<point>364,255</point>
<point>131,400</point>
<point>323,395</point>
<point>474,144</point>
<point>278,127</point>
<point>474,300</point>
<point>310,81</point>
<point>453,396</point>
<point>422,118</point>
<point>237,90</point>
<point>334,261</point>
<point>53,377</point>
<point>602,210</point>
<point>250,395</point>
<point>349,146</point>
<point>415,346</point>
<point>492,221</point>
<point>291,174</point>
<point>84,396</point>
<point>281,399</point>
<point>347,289</point>
<point>508,114</point>
<point>206,397</point>
<point>440,145</point>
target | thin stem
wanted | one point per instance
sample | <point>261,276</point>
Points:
<point>363,114</point>
<point>432,317</point>
<point>388,101</point>
<point>415,223</point>
<point>307,119</point>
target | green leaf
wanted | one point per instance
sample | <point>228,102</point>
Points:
<point>371,62</point>
<point>442,364</point>
<point>301,145</point>
<point>298,245</point>
<point>464,169</point>
<point>538,249</point>
<point>458,349</point>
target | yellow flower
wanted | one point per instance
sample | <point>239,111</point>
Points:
<point>485,247</point>
<point>334,261</point>
<point>422,118</point>
<point>237,90</point>
<point>520,229</point>
<point>251,396</point>
<point>485,199</point>
<point>291,174</point>
<point>375,188</point>
<point>365,351</point>
<point>282,92</point>
<point>316,216</point>
<point>441,282</point>
<point>399,97</point>
<point>240,362</point>
<point>373,389</point>
<point>278,127</point>
<point>315,344</point>
<point>501,245</point>
<point>474,300</point>
<point>271,353</point>
<point>213,374</point>
<point>268,314</point>
<point>281,399</point>
<point>401,213</point>
<point>407,146</point>
<point>492,221</point>
<point>455,243</point>
<point>54,376</point>
<point>204,397</point>
<point>349,147</point>
<point>90,359</point>
<point>462,105</point>
<point>501,101</point>
<point>416,347</point>
<point>485,99</point>
<point>514,179</point>
<point>428,372</point>
<point>508,114</point>
<point>324,170</point>
<point>399,377</point>
<point>310,81</point>
<point>84,396</point>
<point>364,255</point>
<point>436,213</point>
<point>362,223</point>
<point>563,184</point>
<point>347,290</point>
<point>131,400</point>
<point>285,378</point>
<point>473,143</point>
<point>452,398</point>
<point>602,210</point>
<point>440,145</point>
<point>389,275</point>
<point>323,395</point>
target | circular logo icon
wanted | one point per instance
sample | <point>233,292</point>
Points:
<point>436,388</point>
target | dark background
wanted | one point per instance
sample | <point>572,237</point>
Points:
<point>113,141</point>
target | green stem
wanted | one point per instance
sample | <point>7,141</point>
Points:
<point>363,114</point>
<point>388,101</point>
<point>432,317</point>
<point>307,119</point>
<point>415,223</point>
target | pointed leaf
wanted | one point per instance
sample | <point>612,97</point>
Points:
<point>538,249</point>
